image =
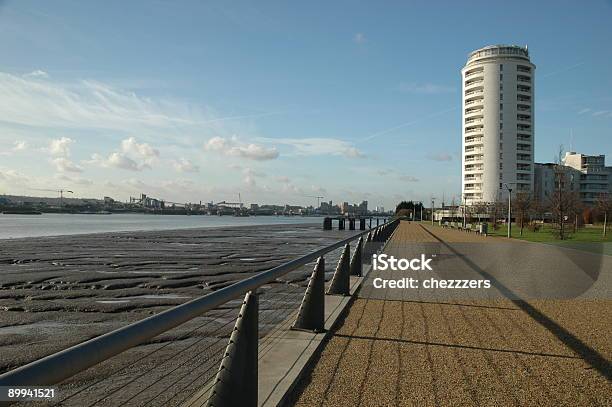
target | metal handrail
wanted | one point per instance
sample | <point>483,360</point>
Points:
<point>59,366</point>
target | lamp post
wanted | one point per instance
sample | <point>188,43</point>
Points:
<point>509,210</point>
<point>421,211</point>
<point>464,209</point>
<point>432,210</point>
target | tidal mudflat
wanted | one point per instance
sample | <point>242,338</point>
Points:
<point>59,291</point>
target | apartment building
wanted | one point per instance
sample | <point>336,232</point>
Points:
<point>497,123</point>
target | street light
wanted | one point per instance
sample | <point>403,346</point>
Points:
<point>432,210</point>
<point>464,209</point>
<point>509,210</point>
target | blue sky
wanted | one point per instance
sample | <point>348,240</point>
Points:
<point>280,101</point>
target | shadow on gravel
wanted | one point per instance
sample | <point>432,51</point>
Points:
<point>588,354</point>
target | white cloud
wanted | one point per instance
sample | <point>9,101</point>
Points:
<point>440,157</point>
<point>425,88</point>
<point>20,145</point>
<point>359,38</point>
<point>36,74</point>
<point>74,180</point>
<point>185,165</point>
<point>13,177</point>
<point>143,150</point>
<point>63,164</point>
<point>408,178</point>
<point>60,152</point>
<point>132,156</point>
<point>116,160</point>
<point>60,147</point>
<point>599,113</point>
<point>86,105</point>
<point>233,147</point>
<point>254,173</point>
<point>320,146</point>
<point>585,110</point>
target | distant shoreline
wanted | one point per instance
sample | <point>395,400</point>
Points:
<point>56,225</point>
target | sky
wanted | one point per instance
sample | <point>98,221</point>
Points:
<point>279,101</point>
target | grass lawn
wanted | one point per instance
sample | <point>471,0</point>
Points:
<point>587,238</point>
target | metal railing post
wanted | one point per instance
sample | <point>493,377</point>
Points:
<point>311,316</point>
<point>236,381</point>
<point>341,281</point>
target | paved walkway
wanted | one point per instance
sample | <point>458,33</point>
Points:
<point>414,347</point>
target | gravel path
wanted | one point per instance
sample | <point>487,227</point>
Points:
<point>427,348</point>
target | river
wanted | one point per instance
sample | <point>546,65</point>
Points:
<point>49,224</point>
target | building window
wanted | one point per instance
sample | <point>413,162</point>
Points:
<point>501,96</point>
<point>501,106</point>
<point>501,126</point>
<point>501,67</point>
<point>501,76</point>
<point>501,116</point>
<point>501,86</point>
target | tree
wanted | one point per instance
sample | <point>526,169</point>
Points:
<point>564,202</point>
<point>496,210</point>
<point>604,205</point>
<point>480,208</point>
<point>522,205</point>
<point>539,208</point>
<point>408,208</point>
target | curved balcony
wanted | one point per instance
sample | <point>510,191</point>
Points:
<point>474,101</point>
<point>476,91</point>
<point>472,83</point>
<point>523,88</point>
<point>474,112</point>
<point>473,158</point>
<point>474,129</point>
<point>473,120</point>
<point>474,71</point>
<point>475,141</point>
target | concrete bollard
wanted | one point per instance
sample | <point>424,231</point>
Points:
<point>341,224</point>
<point>356,261</point>
<point>236,382</point>
<point>352,224</point>
<point>311,316</point>
<point>341,281</point>
<point>362,225</point>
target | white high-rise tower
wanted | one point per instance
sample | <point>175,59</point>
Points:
<point>497,123</point>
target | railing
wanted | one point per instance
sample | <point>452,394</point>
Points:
<point>60,366</point>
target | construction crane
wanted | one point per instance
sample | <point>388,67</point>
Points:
<point>59,191</point>
<point>317,197</point>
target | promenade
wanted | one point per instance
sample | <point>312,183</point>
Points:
<point>539,336</point>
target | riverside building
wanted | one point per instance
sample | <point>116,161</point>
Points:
<point>587,175</point>
<point>497,123</point>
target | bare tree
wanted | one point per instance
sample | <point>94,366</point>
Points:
<point>496,211</point>
<point>604,205</point>
<point>564,201</point>
<point>539,208</point>
<point>522,205</point>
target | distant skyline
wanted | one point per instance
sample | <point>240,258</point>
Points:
<point>281,102</point>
